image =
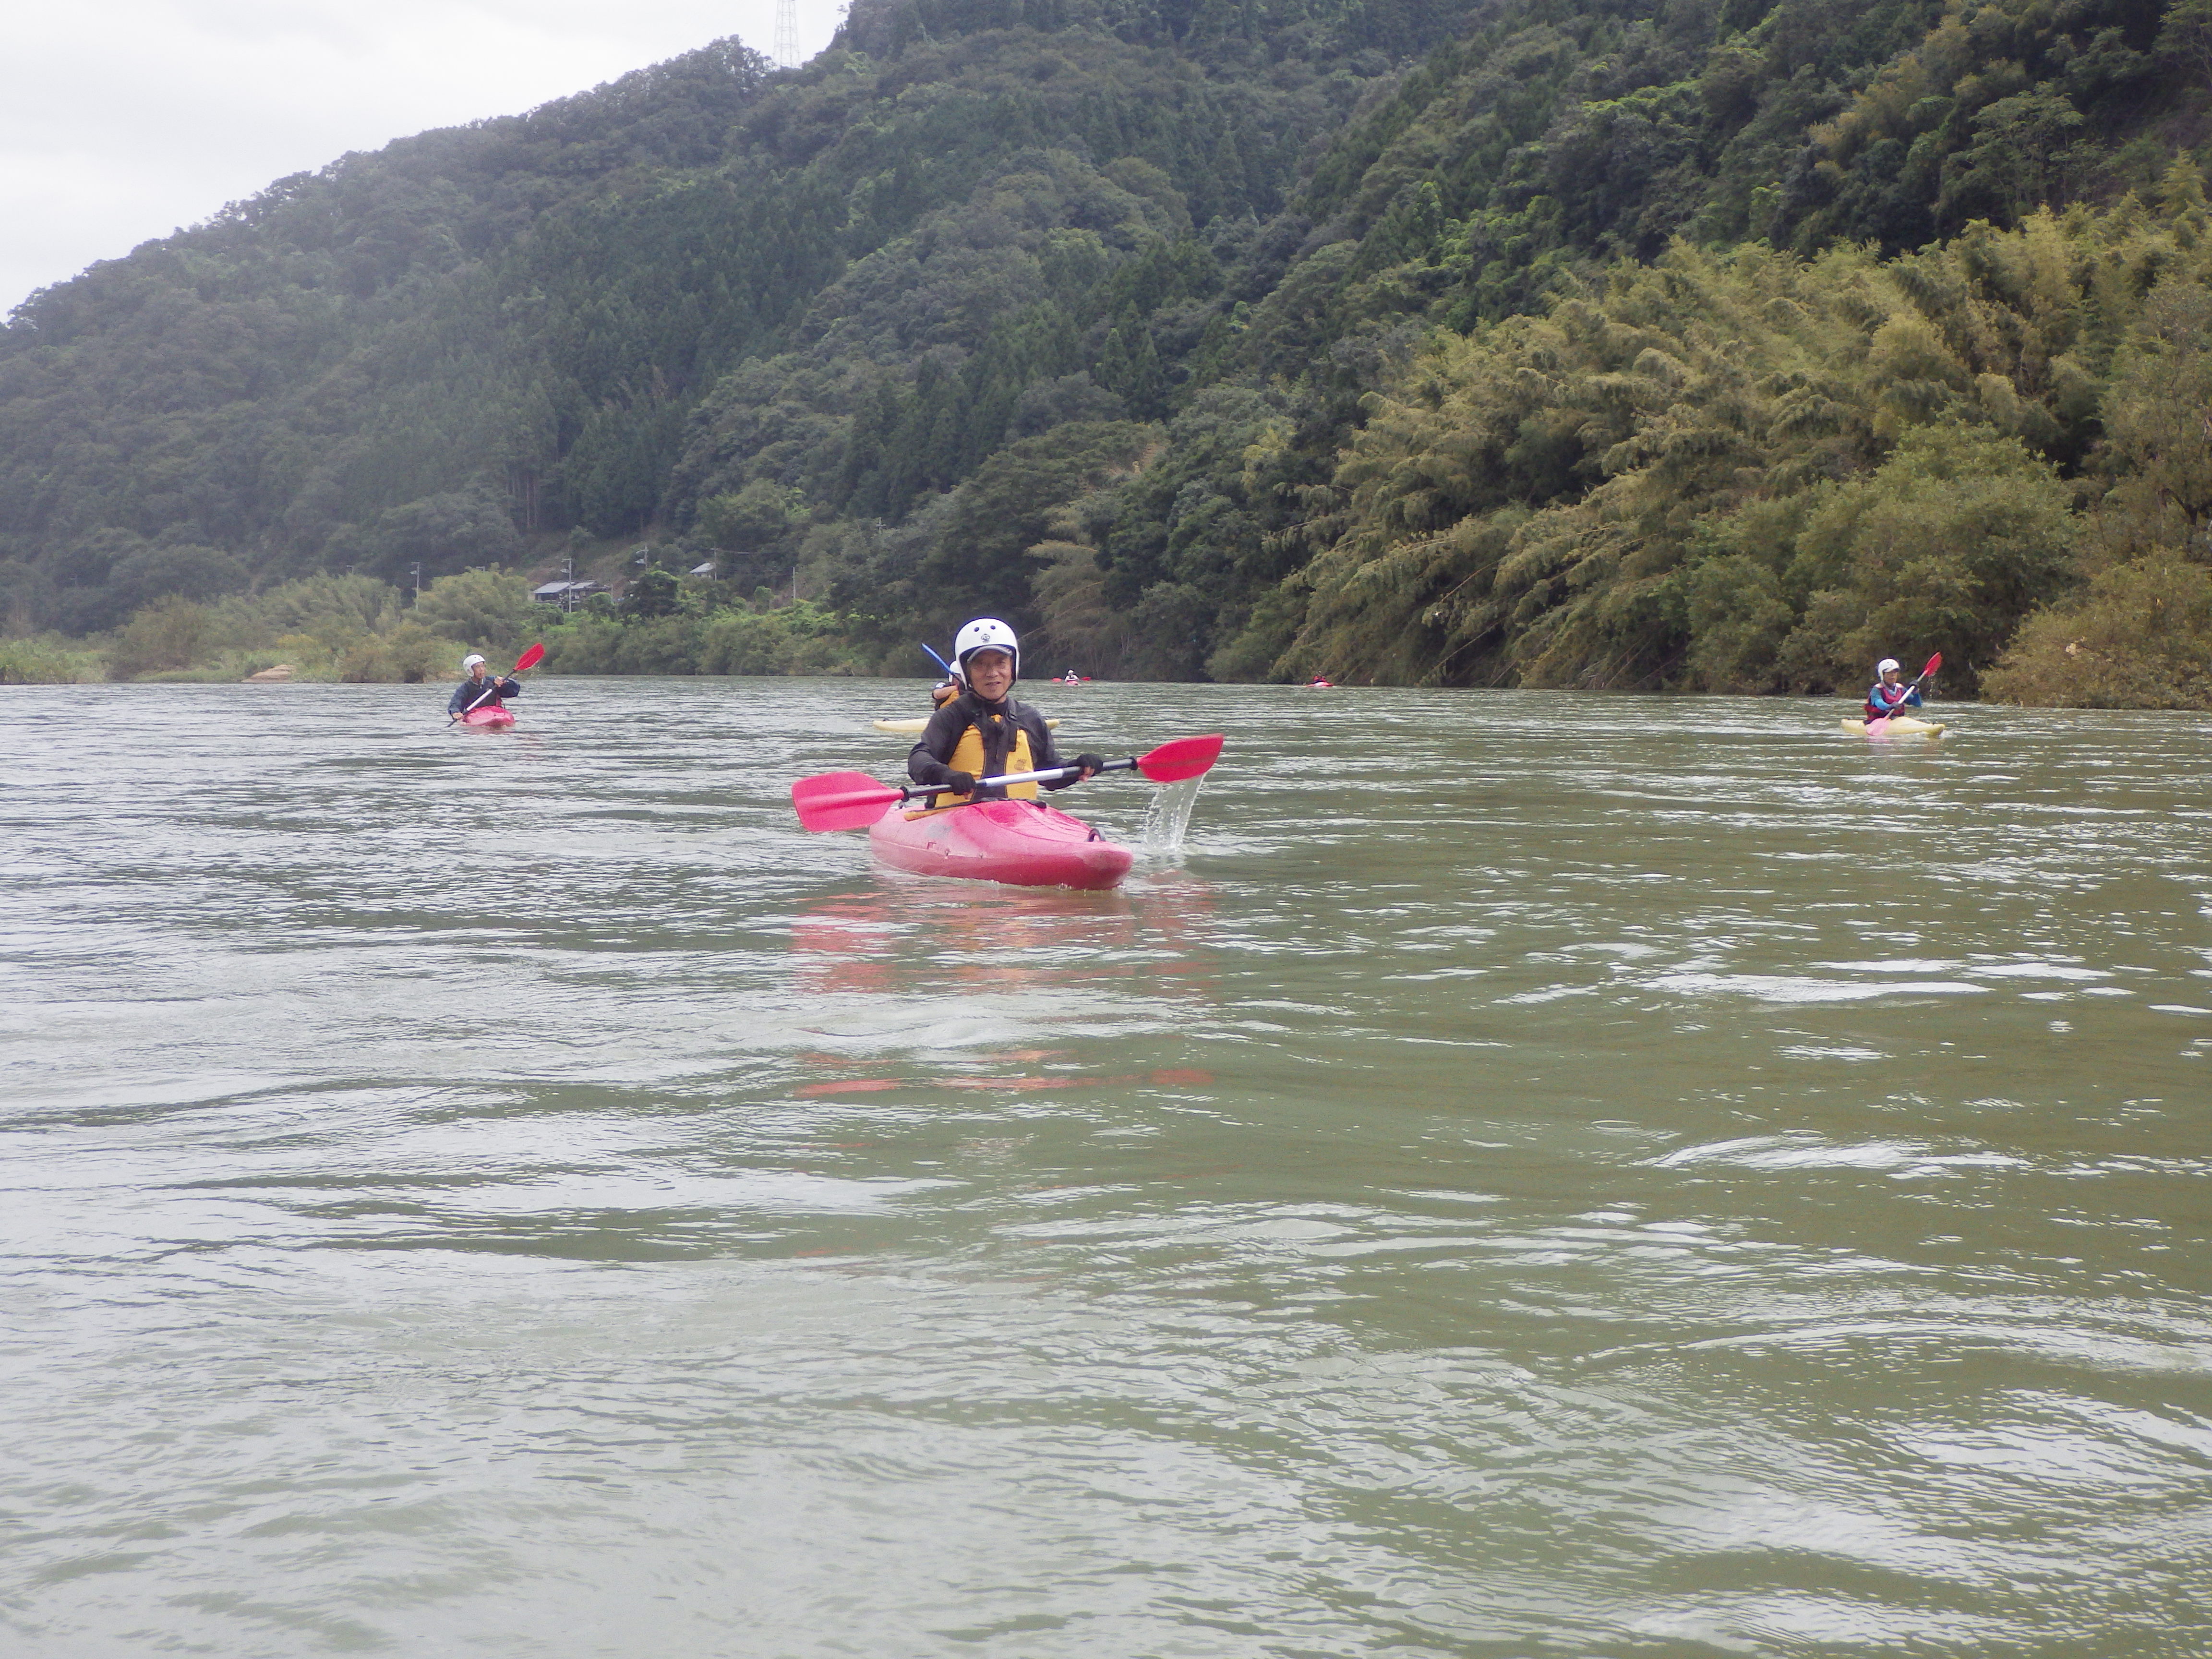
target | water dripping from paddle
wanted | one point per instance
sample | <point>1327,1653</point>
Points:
<point>1167,816</point>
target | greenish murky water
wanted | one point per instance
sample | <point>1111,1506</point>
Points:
<point>1533,1175</point>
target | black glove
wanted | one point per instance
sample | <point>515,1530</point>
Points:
<point>1090,762</point>
<point>959,783</point>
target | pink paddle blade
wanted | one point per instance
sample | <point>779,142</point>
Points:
<point>840,800</point>
<point>1180,758</point>
<point>530,658</point>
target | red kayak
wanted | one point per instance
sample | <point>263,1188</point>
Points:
<point>489,719</point>
<point>1024,843</point>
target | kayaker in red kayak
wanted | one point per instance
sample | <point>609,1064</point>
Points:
<point>982,733</point>
<point>480,690</point>
<point>1890,694</point>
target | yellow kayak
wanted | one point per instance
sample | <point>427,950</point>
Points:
<point>1895,725</point>
<point>914,728</point>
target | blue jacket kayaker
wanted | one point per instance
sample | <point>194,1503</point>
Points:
<point>982,733</point>
<point>476,683</point>
<point>1889,694</point>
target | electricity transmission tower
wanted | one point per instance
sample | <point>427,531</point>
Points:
<point>786,33</point>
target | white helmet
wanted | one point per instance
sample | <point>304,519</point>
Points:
<point>1888,666</point>
<point>470,661</point>
<point>985,634</point>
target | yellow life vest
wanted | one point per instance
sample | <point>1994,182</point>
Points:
<point>968,756</point>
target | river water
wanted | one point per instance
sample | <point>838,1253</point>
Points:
<point>1532,1174</point>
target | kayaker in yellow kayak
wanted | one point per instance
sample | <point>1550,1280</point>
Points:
<point>1890,694</point>
<point>982,733</point>
<point>471,693</point>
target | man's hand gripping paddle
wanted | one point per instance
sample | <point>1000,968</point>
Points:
<point>528,659</point>
<point>852,800</point>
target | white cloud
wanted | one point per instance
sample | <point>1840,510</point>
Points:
<point>121,120</point>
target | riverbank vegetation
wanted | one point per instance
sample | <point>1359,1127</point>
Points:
<point>1714,345</point>
<point>353,628</point>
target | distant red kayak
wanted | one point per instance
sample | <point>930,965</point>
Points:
<point>489,719</point>
<point>1024,843</point>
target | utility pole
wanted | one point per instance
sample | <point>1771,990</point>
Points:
<point>416,571</point>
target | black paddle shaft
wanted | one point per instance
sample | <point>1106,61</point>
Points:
<point>934,790</point>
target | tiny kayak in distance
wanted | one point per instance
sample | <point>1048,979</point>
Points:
<point>489,720</point>
<point>1023,843</point>
<point>915,728</point>
<point>1896,725</point>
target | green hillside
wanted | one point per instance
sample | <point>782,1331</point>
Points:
<point>1717,346</point>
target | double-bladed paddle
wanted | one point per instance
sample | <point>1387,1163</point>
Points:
<point>852,800</point>
<point>529,659</point>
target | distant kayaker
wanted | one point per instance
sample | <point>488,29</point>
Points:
<point>480,690</point>
<point>982,733</point>
<point>1890,693</point>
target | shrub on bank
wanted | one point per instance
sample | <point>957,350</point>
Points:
<point>798,639</point>
<point>409,654</point>
<point>48,660</point>
<point>2140,637</point>
<point>490,608</point>
<point>169,636</point>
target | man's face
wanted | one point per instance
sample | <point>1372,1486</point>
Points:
<point>1889,675</point>
<point>991,672</point>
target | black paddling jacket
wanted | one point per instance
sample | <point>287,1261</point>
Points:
<point>999,728</point>
<point>466,693</point>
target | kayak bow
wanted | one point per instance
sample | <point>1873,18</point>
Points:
<point>489,720</point>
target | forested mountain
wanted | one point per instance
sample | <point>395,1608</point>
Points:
<point>1715,343</point>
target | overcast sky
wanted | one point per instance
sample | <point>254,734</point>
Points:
<point>121,120</point>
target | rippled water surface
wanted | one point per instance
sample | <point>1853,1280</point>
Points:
<point>1533,1175</point>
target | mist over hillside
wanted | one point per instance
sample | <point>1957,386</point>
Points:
<point>1698,345</point>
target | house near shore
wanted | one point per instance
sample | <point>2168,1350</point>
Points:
<point>566,594</point>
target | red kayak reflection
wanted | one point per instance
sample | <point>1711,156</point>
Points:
<point>917,937</point>
<point>927,939</point>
